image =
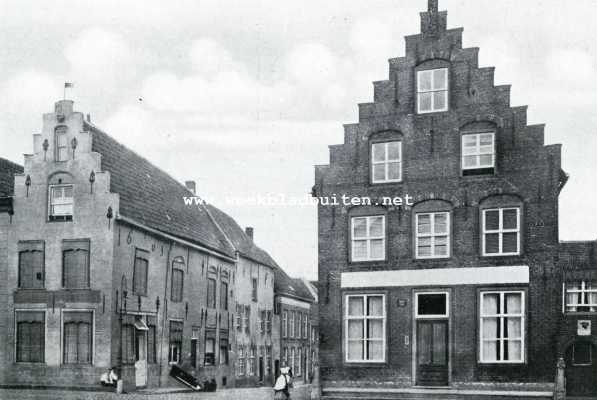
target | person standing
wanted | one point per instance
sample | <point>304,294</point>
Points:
<point>282,386</point>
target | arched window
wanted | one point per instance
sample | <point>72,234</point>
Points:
<point>61,143</point>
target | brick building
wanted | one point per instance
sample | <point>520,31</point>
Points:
<point>455,291</point>
<point>104,265</point>
<point>255,340</point>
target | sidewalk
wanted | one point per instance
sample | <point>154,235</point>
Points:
<point>302,392</point>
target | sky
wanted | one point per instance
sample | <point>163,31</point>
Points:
<point>244,96</point>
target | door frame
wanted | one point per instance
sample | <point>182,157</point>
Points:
<point>415,319</point>
<point>146,368</point>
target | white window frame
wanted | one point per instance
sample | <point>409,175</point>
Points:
<point>51,202</point>
<point>500,231</point>
<point>364,318</point>
<point>61,132</point>
<point>478,153</point>
<point>432,234</point>
<point>501,320</point>
<point>446,314</point>
<point>368,238</point>
<point>306,327</point>
<point>291,327</point>
<point>386,161</point>
<point>284,323</point>
<point>241,360</point>
<point>584,294</point>
<point>432,90</point>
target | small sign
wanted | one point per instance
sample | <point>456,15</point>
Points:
<point>583,328</point>
<point>402,302</point>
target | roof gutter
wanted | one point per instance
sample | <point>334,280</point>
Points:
<point>174,238</point>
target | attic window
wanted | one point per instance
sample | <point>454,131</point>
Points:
<point>61,143</point>
<point>61,203</point>
<point>432,90</point>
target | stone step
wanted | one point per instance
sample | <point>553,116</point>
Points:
<point>431,393</point>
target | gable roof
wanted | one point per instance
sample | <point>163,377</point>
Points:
<point>153,198</point>
<point>8,169</point>
<point>240,240</point>
<point>284,285</point>
<point>578,254</point>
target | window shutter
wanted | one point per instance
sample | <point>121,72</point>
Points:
<point>76,264</point>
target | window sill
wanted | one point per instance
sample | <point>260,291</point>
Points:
<point>580,313</point>
<point>365,364</point>
<point>487,256</point>
<point>28,363</point>
<point>502,364</point>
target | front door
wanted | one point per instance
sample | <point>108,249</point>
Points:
<point>141,358</point>
<point>432,353</point>
<point>260,369</point>
<point>581,369</point>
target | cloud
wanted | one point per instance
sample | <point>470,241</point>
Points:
<point>311,64</point>
<point>208,58</point>
<point>573,66</point>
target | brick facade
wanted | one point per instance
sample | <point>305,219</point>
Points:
<point>525,175</point>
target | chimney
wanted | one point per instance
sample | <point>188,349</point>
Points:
<point>249,231</point>
<point>191,186</point>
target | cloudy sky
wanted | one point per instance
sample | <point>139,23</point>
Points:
<point>244,96</point>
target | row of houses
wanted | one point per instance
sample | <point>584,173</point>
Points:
<point>103,266</point>
<point>468,292</point>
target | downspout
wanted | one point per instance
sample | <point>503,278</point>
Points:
<point>164,309</point>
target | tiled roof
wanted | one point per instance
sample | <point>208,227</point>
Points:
<point>153,198</point>
<point>8,169</point>
<point>578,254</point>
<point>240,240</point>
<point>293,287</point>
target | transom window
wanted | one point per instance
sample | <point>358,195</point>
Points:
<point>432,305</point>
<point>432,90</point>
<point>61,203</point>
<point>386,162</point>
<point>502,327</point>
<point>581,296</point>
<point>501,232</point>
<point>478,151</point>
<point>368,238</point>
<point>365,328</point>
<point>433,235</point>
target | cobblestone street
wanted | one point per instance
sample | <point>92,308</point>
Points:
<point>298,393</point>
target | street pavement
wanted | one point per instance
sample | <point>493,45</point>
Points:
<point>264,393</point>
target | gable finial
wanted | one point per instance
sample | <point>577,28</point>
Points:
<point>432,6</point>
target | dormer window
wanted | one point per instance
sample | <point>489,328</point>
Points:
<point>432,90</point>
<point>61,203</point>
<point>478,153</point>
<point>61,140</point>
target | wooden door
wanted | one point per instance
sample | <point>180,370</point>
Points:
<point>432,353</point>
<point>581,371</point>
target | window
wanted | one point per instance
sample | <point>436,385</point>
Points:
<point>386,162</point>
<point>252,361</point>
<point>246,318</point>
<point>195,333</point>
<point>177,279</point>
<point>262,321</point>
<point>224,296</point>
<point>77,336</point>
<point>365,328</point>
<point>292,359</point>
<point>61,203</point>
<point>210,351</point>
<point>175,348</point>
<point>31,265</point>
<point>285,359</point>
<point>368,238</point>
<point>61,143</point>
<point>128,340</point>
<point>30,336</point>
<point>502,327</point>
<point>432,90</point>
<point>223,351</point>
<point>291,328</point>
<point>306,327</point>
<point>268,360</point>
<point>478,152</point>
<point>298,325</point>
<point>151,340</point>
<point>140,272</point>
<point>299,359</point>
<point>241,360</point>
<point>75,264</point>
<point>582,354</point>
<point>285,324</point>
<point>501,232</point>
<point>254,291</point>
<point>433,235</point>
<point>239,311</point>
<point>432,305</point>
<point>581,296</point>
<point>211,293</point>
<point>268,322</point>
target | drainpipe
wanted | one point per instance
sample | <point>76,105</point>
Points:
<point>164,309</point>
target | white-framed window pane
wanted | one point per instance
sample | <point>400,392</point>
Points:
<point>510,243</point>
<point>375,329</point>
<point>492,243</point>
<point>513,350</point>
<point>424,80</point>
<point>355,306</point>
<point>393,151</point>
<point>377,249</point>
<point>379,172</point>
<point>513,328</point>
<point>440,223</point>
<point>375,306</point>
<point>355,329</point>
<point>490,350</point>
<point>359,249</point>
<point>359,226</point>
<point>492,220</point>
<point>425,101</point>
<point>424,223</point>
<point>439,100</point>
<point>394,171</point>
<point>440,79</point>
<point>379,152</point>
<point>375,348</point>
<point>510,219</point>
<point>376,227</point>
<point>490,328</point>
<point>490,303</point>
<point>355,350</point>
<point>513,303</point>
<point>470,161</point>
<point>478,150</point>
<point>485,160</point>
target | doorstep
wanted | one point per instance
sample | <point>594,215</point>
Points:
<point>442,390</point>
